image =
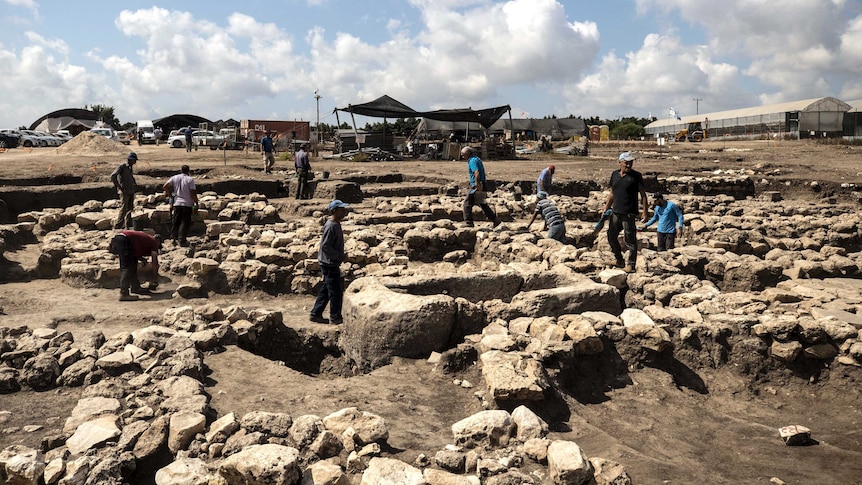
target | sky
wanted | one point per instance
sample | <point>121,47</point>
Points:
<point>265,60</point>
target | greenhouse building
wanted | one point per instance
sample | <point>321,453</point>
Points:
<point>809,118</point>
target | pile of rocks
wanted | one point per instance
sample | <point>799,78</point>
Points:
<point>144,401</point>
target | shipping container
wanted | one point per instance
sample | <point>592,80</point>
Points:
<point>255,129</point>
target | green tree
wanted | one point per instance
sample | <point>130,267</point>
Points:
<point>623,131</point>
<point>105,113</point>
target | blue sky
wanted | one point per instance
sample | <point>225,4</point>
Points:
<point>264,60</point>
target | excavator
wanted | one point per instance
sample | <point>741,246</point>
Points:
<point>693,132</point>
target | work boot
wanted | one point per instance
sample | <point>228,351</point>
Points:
<point>125,296</point>
<point>619,263</point>
<point>317,318</point>
<point>468,223</point>
<point>336,320</point>
<point>141,291</point>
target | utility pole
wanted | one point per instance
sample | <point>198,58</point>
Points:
<point>697,105</point>
<point>317,97</point>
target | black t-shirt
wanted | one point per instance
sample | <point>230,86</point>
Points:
<point>626,190</point>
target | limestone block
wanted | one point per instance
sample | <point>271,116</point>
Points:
<point>268,463</point>
<point>388,470</point>
<point>380,324</point>
<point>568,464</point>
<point>582,297</point>
<point>511,376</point>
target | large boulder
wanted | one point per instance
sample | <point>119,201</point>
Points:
<point>513,377</point>
<point>578,298</point>
<point>262,464</point>
<point>380,324</point>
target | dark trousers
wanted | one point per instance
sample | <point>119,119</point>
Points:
<point>558,232</point>
<point>626,223</point>
<point>189,144</point>
<point>469,202</point>
<point>128,264</point>
<point>666,240</point>
<point>124,219</point>
<point>301,182</point>
<point>331,292</point>
<point>182,221</point>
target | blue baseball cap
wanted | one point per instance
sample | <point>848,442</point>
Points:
<point>132,156</point>
<point>335,204</point>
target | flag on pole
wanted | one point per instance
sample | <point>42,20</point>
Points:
<point>674,113</point>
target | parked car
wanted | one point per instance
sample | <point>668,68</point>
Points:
<point>106,132</point>
<point>48,139</point>
<point>123,137</point>
<point>26,140</point>
<point>63,135</point>
<point>199,137</point>
<point>8,140</point>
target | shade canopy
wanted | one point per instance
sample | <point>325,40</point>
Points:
<point>386,107</point>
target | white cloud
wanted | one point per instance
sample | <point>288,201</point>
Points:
<point>798,49</point>
<point>663,72</point>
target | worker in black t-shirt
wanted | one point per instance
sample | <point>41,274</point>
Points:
<point>626,185</point>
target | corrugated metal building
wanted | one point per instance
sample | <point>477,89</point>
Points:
<point>853,119</point>
<point>807,118</point>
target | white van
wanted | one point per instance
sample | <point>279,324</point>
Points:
<point>145,132</point>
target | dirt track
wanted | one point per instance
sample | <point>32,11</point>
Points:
<point>663,433</point>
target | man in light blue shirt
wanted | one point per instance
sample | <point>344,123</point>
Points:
<point>478,191</point>
<point>546,178</point>
<point>670,222</point>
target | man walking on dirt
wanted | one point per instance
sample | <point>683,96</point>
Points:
<point>478,190</point>
<point>546,178</point>
<point>331,255</point>
<point>130,246</point>
<point>303,168</point>
<point>184,198</point>
<point>626,183</point>
<point>266,146</point>
<point>670,222</point>
<point>123,179</point>
<point>189,139</point>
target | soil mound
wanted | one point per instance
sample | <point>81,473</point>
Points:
<point>88,142</point>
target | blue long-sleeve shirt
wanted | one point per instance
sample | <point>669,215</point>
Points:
<point>669,218</point>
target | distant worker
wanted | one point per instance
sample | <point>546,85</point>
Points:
<point>189,139</point>
<point>123,178</point>
<point>670,222</point>
<point>157,134</point>
<point>268,149</point>
<point>303,168</point>
<point>130,247</point>
<point>331,255</point>
<point>478,190</point>
<point>546,178</point>
<point>184,202</point>
<point>626,184</point>
<point>555,224</point>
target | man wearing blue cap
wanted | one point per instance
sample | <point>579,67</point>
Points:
<point>626,184</point>
<point>123,179</point>
<point>331,255</point>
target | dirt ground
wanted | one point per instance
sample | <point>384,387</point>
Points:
<point>661,432</point>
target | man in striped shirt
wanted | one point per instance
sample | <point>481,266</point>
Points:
<point>554,222</point>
